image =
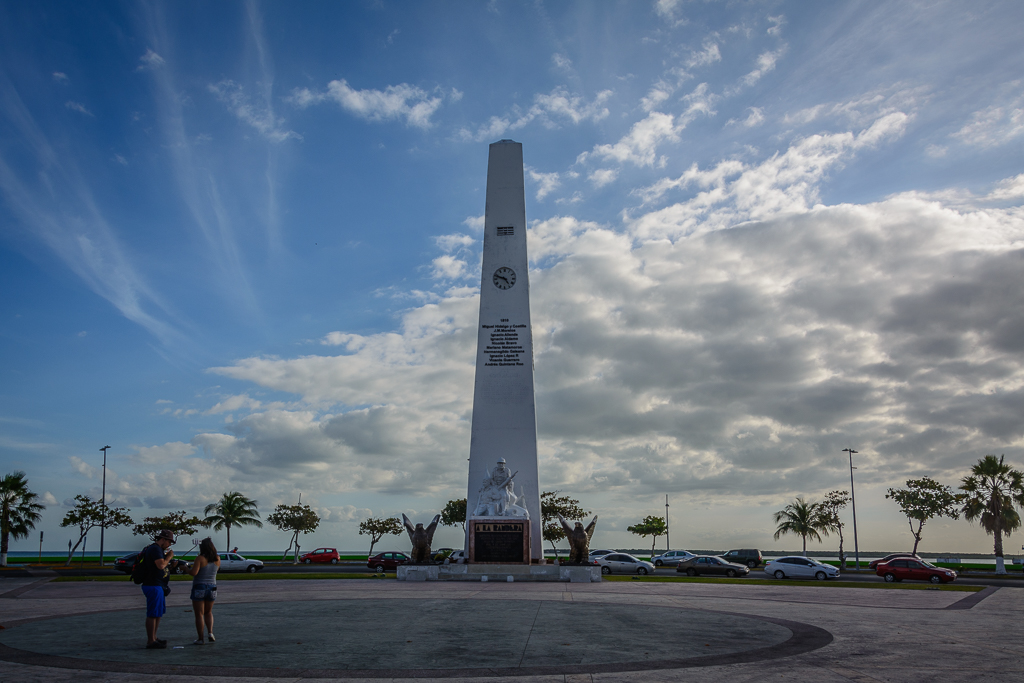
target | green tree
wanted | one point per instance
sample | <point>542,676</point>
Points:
<point>801,518</point>
<point>233,509</point>
<point>298,519</point>
<point>552,505</point>
<point>377,529</point>
<point>651,526</point>
<point>19,511</point>
<point>454,512</point>
<point>178,523</point>
<point>88,514</point>
<point>925,499</point>
<point>828,513</point>
<point>991,490</point>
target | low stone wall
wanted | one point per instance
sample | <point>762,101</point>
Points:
<point>496,572</point>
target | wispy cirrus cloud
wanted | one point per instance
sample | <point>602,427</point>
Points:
<point>548,109</point>
<point>403,101</point>
<point>261,118</point>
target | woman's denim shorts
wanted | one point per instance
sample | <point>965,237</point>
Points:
<point>204,591</point>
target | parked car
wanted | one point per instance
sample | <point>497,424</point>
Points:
<point>888,558</point>
<point>321,555</point>
<point>800,567</point>
<point>600,553</point>
<point>711,565</point>
<point>233,562</point>
<point>125,563</point>
<point>914,569</point>
<point>441,554</point>
<point>382,562</point>
<point>671,558</point>
<point>748,556</point>
<point>622,563</point>
<point>457,557</point>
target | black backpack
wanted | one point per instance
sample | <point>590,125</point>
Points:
<point>139,568</point>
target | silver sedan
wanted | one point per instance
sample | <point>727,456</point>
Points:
<point>799,567</point>
<point>672,558</point>
<point>621,563</point>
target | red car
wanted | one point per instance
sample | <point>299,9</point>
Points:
<point>321,555</point>
<point>888,558</point>
<point>382,562</point>
<point>909,568</point>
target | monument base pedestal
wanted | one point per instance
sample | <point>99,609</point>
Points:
<point>505,573</point>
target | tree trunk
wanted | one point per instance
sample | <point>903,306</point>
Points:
<point>1000,562</point>
<point>805,544</point>
<point>4,541</point>
<point>554,548</point>
<point>653,543</point>
<point>917,534</point>
<point>296,558</point>
<point>71,553</point>
<point>228,549</point>
<point>842,555</point>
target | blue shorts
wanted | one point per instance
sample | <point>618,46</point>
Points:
<point>204,591</point>
<point>155,604</point>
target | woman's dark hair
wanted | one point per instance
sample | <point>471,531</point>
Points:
<point>207,550</point>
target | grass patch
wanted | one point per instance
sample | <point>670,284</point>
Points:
<point>790,582</point>
<point>241,576</point>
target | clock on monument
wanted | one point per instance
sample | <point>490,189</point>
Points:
<point>504,278</point>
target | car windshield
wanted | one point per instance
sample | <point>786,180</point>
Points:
<point>928,564</point>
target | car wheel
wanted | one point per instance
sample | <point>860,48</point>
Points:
<point>642,571</point>
<point>890,578</point>
<point>751,564</point>
<point>334,561</point>
<point>606,570</point>
<point>731,573</point>
<point>657,563</point>
<point>691,572</point>
<point>780,574</point>
<point>307,560</point>
<point>820,576</point>
<point>379,569</point>
<point>935,578</point>
<point>251,569</point>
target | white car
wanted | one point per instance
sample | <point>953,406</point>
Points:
<point>621,563</point>
<point>458,557</point>
<point>672,558</point>
<point>594,554</point>
<point>799,567</point>
<point>233,562</point>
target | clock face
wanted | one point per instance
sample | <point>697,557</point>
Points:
<point>504,278</point>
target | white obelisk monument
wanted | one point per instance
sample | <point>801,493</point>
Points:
<point>504,412</point>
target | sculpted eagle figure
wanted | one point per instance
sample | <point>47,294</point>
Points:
<point>420,538</point>
<point>579,539</point>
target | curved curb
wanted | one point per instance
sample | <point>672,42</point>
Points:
<point>805,638</point>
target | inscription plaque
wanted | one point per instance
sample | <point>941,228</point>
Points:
<point>499,541</point>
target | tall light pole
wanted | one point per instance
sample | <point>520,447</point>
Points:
<point>103,502</point>
<point>668,540</point>
<point>853,500</point>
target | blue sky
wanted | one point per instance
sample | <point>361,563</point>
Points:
<point>239,243</point>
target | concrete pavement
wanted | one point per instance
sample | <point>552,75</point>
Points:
<point>532,632</point>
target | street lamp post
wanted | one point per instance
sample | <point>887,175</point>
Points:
<point>853,501</point>
<point>668,539</point>
<point>103,502</point>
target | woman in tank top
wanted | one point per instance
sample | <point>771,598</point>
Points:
<point>204,588</point>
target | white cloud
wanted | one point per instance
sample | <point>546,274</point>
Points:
<point>49,499</point>
<point>77,106</point>
<point>150,60</point>
<point>475,223</point>
<point>561,61</point>
<point>82,467</point>
<point>602,177</point>
<point>776,25</point>
<point>61,77</point>
<point>453,242</point>
<point>402,101</point>
<point>260,117</point>
<point>549,109</point>
<point>448,267</point>
<point>766,62</point>
<point>708,55</point>
<point>996,124</point>
<point>120,159</point>
<point>546,183</point>
<point>755,118</point>
<point>233,403</point>
<point>1010,188</point>
<point>640,145</point>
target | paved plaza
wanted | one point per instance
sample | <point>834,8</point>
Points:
<point>279,630</point>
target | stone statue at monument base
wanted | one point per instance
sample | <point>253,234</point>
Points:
<point>579,540</point>
<point>421,539</point>
<point>497,497</point>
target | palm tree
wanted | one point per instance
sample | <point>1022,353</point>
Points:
<point>992,488</point>
<point>234,509</point>
<point>799,517</point>
<point>19,511</point>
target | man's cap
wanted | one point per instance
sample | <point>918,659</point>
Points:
<point>501,460</point>
<point>164,533</point>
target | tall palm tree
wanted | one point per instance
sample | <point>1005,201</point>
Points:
<point>992,488</point>
<point>19,511</point>
<point>233,509</point>
<point>799,517</point>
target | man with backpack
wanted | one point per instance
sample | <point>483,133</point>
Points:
<point>154,560</point>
